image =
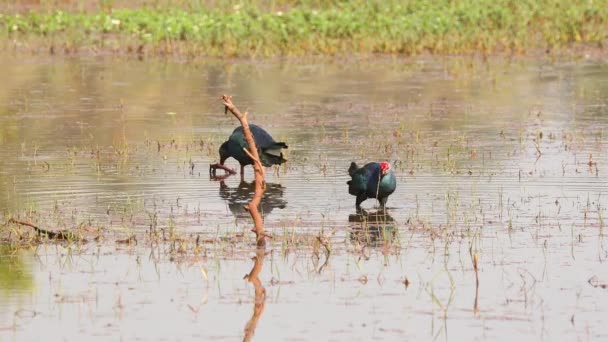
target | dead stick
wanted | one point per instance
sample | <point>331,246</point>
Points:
<point>258,225</point>
<point>476,268</point>
<point>256,160</point>
<point>60,235</point>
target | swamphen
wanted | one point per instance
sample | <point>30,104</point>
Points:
<point>373,180</point>
<point>268,149</point>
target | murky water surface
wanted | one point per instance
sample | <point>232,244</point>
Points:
<point>503,160</point>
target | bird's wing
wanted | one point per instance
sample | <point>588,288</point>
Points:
<point>262,139</point>
<point>274,151</point>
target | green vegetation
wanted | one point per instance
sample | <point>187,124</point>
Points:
<point>408,27</point>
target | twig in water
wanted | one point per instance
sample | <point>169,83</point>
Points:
<point>476,268</point>
<point>59,235</point>
<point>594,281</point>
<point>130,240</point>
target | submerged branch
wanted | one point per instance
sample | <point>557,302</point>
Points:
<point>476,268</point>
<point>595,282</point>
<point>59,235</point>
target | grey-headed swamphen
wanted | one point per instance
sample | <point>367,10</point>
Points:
<point>269,150</point>
<point>373,180</point>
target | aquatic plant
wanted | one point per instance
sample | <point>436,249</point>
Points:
<point>308,27</point>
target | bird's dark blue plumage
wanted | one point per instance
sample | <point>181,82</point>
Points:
<point>268,149</point>
<point>373,180</point>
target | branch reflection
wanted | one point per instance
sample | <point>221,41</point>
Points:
<point>260,294</point>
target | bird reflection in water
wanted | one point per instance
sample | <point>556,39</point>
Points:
<point>238,197</point>
<point>372,229</point>
<point>259,299</point>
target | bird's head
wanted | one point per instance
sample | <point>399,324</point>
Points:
<point>385,167</point>
<point>224,153</point>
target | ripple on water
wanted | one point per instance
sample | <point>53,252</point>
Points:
<point>505,161</point>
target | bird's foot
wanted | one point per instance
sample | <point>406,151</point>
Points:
<point>213,168</point>
<point>361,211</point>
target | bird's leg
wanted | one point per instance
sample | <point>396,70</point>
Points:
<point>383,201</point>
<point>360,200</point>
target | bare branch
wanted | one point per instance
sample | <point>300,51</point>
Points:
<point>252,152</point>
<point>59,235</point>
<point>250,155</point>
<point>255,160</point>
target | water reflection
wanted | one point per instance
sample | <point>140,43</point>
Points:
<point>259,300</point>
<point>14,273</point>
<point>372,229</point>
<point>467,141</point>
<point>239,196</point>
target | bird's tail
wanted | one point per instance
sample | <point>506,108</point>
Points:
<point>353,167</point>
<point>272,154</point>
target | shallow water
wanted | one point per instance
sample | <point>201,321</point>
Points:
<point>504,159</point>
